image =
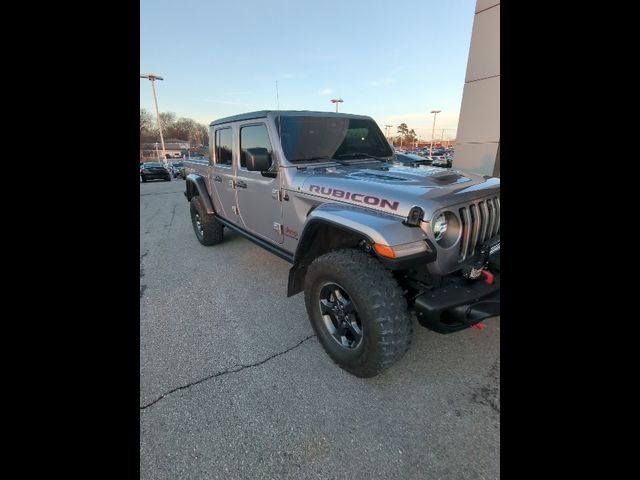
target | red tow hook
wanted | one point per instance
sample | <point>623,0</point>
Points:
<point>478,326</point>
<point>488,276</point>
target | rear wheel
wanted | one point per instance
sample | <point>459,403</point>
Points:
<point>207,227</point>
<point>358,311</point>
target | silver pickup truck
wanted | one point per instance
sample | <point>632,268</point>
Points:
<point>370,242</point>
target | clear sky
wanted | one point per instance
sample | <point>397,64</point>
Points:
<point>394,62</point>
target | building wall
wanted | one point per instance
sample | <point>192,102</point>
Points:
<point>478,138</point>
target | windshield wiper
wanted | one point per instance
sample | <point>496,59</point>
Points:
<point>331,159</point>
<point>361,154</point>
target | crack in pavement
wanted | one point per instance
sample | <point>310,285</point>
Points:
<point>159,193</point>
<point>173,214</point>
<point>141,266</point>
<point>142,287</point>
<point>234,369</point>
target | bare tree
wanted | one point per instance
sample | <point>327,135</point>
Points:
<point>185,129</point>
<point>146,120</point>
<point>167,119</point>
<point>201,134</point>
<point>182,129</point>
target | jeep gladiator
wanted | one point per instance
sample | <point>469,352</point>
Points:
<point>370,242</point>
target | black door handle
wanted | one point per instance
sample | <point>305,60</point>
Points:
<point>241,184</point>
<point>217,178</point>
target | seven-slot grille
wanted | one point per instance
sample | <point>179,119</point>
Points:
<point>480,222</point>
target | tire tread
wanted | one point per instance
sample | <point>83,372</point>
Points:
<point>384,296</point>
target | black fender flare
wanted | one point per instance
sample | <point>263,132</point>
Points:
<point>196,185</point>
<point>298,271</point>
<point>305,253</point>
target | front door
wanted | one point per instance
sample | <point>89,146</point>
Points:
<point>258,195</point>
<point>222,174</point>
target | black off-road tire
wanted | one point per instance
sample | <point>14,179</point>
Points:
<point>209,231</point>
<point>379,304</point>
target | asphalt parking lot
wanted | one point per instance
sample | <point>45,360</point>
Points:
<point>233,384</point>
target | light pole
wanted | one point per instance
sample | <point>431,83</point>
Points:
<point>152,78</point>
<point>387,127</point>
<point>336,101</point>
<point>433,131</point>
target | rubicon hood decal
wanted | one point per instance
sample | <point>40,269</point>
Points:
<point>355,197</point>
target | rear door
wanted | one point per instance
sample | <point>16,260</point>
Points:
<point>258,195</point>
<point>223,171</point>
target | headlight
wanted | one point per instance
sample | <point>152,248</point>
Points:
<point>446,229</point>
<point>439,227</point>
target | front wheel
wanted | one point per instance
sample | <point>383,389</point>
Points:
<point>358,311</point>
<point>208,229</point>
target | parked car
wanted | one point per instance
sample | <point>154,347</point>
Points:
<point>176,168</point>
<point>410,160</point>
<point>154,171</point>
<point>444,162</point>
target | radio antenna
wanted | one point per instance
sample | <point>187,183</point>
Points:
<point>278,107</point>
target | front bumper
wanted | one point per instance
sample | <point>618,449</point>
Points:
<point>155,175</point>
<point>458,305</point>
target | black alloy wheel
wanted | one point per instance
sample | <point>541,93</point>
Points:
<point>340,316</point>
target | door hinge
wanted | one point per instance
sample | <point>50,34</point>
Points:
<point>277,194</point>
<point>277,227</point>
<point>235,210</point>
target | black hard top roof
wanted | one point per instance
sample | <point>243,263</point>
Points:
<point>275,113</point>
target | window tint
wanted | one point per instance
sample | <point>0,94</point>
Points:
<point>320,138</point>
<point>253,136</point>
<point>223,146</point>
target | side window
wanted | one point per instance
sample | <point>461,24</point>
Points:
<point>253,136</point>
<point>223,146</point>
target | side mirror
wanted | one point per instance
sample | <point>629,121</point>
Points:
<point>258,159</point>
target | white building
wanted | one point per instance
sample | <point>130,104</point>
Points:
<point>478,137</point>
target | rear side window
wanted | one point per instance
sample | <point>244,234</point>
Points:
<point>253,136</point>
<point>223,146</point>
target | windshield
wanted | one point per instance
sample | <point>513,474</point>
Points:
<point>325,138</point>
<point>153,164</point>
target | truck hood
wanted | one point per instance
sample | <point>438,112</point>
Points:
<point>396,189</point>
